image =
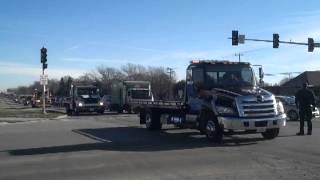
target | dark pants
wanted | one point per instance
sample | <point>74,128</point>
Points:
<point>305,115</point>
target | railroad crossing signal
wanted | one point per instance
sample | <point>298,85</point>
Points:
<point>240,39</point>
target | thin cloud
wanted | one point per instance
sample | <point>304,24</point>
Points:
<point>73,47</point>
<point>95,60</point>
<point>34,71</point>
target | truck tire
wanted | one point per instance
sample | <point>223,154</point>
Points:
<point>271,133</point>
<point>293,115</point>
<point>100,111</point>
<point>210,127</point>
<point>142,115</point>
<point>76,112</point>
<point>68,111</point>
<point>153,121</point>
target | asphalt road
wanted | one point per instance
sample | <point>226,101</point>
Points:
<point>117,147</point>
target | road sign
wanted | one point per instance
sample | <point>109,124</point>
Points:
<point>241,38</point>
<point>44,79</point>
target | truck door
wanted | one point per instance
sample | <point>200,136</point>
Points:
<point>195,80</point>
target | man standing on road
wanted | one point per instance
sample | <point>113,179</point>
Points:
<point>304,100</point>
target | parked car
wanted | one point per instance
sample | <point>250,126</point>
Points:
<point>289,104</point>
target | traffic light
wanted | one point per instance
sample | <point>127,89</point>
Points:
<point>43,55</point>
<point>235,38</point>
<point>310,44</point>
<point>276,41</point>
<point>44,58</point>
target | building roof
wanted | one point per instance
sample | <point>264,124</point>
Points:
<point>311,77</point>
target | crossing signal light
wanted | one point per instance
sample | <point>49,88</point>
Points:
<point>43,55</point>
<point>310,44</point>
<point>276,41</point>
<point>235,38</point>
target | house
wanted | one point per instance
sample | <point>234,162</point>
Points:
<point>311,77</point>
<point>290,87</point>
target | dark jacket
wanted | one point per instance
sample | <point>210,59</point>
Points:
<point>305,98</point>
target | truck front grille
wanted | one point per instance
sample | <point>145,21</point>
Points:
<point>261,123</point>
<point>91,101</point>
<point>254,108</point>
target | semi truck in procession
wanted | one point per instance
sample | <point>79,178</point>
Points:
<point>220,98</point>
<point>84,99</point>
<point>125,93</point>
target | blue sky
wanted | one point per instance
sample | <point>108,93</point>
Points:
<point>81,35</point>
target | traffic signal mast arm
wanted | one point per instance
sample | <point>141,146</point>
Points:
<point>240,39</point>
<point>285,42</point>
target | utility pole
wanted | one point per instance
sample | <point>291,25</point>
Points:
<point>170,71</point>
<point>44,78</point>
<point>239,56</point>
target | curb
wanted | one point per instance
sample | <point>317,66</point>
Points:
<point>59,117</point>
<point>56,111</point>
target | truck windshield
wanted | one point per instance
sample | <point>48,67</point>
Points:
<point>226,76</point>
<point>140,94</point>
<point>87,91</point>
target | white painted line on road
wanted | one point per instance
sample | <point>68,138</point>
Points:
<point>91,136</point>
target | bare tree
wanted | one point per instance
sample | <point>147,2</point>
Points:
<point>135,72</point>
<point>106,76</point>
<point>160,82</point>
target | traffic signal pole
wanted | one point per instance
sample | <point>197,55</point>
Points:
<point>44,95</point>
<point>43,58</point>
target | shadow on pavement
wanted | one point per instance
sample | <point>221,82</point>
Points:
<point>138,139</point>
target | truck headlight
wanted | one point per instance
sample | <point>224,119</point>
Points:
<point>280,108</point>
<point>101,103</point>
<point>38,100</point>
<point>225,110</point>
<point>80,104</point>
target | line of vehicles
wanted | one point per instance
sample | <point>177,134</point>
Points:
<point>220,97</point>
<point>123,98</point>
<point>34,100</point>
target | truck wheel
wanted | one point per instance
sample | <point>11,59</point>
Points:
<point>68,111</point>
<point>293,115</point>
<point>76,112</point>
<point>100,111</point>
<point>142,115</point>
<point>210,127</point>
<point>153,121</point>
<point>271,133</point>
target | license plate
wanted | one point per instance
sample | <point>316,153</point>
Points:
<point>261,129</point>
<point>91,109</point>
